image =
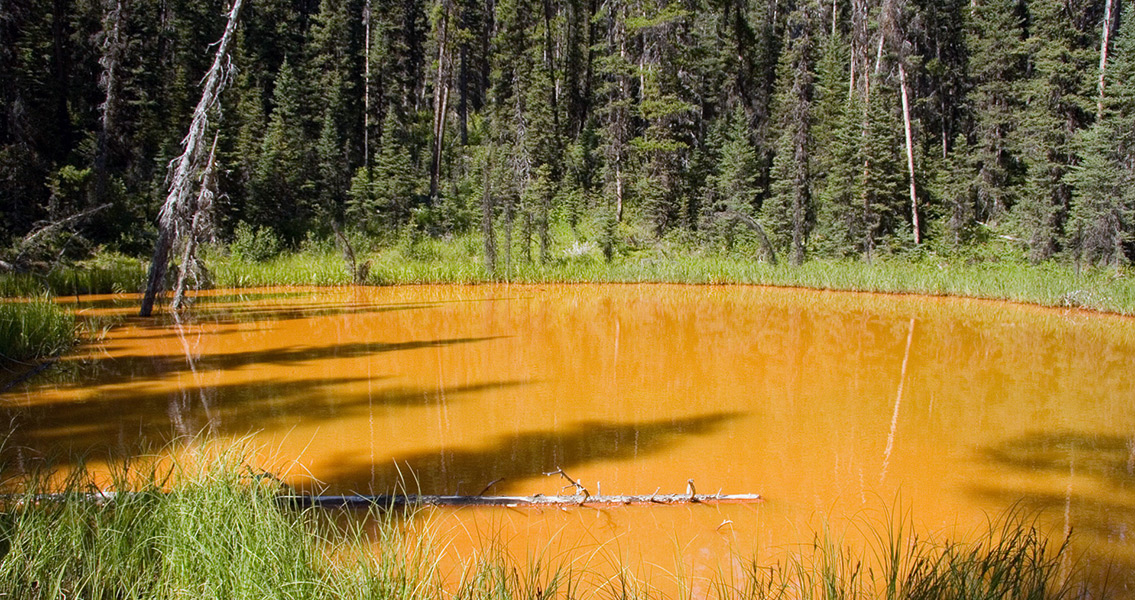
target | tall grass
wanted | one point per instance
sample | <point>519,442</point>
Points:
<point>103,274</point>
<point>215,532</point>
<point>34,329</point>
<point>458,261</point>
<point>424,260</point>
<point>219,530</point>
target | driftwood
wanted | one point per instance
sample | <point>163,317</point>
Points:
<point>581,498</point>
<point>361,501</point>
<point>406,500</point>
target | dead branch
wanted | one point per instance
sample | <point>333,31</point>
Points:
<point>579,489</point>
<point>491,484</point>
<point>766,245</point>
<point>46,229</point>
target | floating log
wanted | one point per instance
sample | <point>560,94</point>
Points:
<point>362,501</point>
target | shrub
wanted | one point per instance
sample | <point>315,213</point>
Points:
<point>254,245</point>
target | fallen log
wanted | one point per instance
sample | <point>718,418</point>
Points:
<point>409,500</point>
<point>399,500</point>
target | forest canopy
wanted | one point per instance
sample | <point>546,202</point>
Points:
<point>814,128</point>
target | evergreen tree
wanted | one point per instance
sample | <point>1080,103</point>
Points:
<point>788,211</point>
<point>733,187</point>
<point>1058,103</point>
<point>957,191</point>
<point>280,194</point>
<point>396,184</point>
<point>1101,226</point>
<point>997,60</point>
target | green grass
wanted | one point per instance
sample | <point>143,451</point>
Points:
<point>37,328</point>
<point>1049,284</point>
<point>459,261</point>
<point>217,529</point>
<point>103,274</point>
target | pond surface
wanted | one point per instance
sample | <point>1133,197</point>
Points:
<point>838,408</point>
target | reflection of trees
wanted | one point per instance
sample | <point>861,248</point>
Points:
<point>1089,485</point>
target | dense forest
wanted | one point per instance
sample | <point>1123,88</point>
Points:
<point>808,127</point>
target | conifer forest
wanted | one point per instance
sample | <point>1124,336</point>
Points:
<point>841,128</point>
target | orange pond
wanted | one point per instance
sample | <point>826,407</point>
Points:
<point>836,407</point>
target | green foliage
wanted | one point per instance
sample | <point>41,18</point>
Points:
<point>254,244</point>
<point>631,105</point>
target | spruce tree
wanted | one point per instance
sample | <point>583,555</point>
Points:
<point>733,185</point>
<point>396,183</point>
<point>280,197</point>
<point>1056,106</point>
<point>788,211</point>
<point>997,63</point>
<point>1101,225</point>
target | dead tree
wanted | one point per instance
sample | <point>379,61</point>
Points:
<point>200,229</point>
<point>171,219</point>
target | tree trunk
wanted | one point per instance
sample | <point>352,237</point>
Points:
<point>199,228</point>
<point>441,99</point>
<point>487,213</point>
<point>1108,20</point>
<point>186,165</point>
<point>110,62</point>
<point>366,84</point>
<point>909,152</point>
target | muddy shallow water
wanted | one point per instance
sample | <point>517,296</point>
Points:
<point>835,407</point>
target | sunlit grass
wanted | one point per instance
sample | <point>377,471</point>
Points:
<point>104,274</point>
<point>459,261</point>
<point>34,329</point>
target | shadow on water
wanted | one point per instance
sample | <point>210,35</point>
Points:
<point>122,424</point>
<point>1088,488</point>
<point>508,459</point>
<point>130,368</point>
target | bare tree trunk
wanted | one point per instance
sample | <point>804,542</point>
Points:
<point>181,181</point>
<point>366,84</point>
<point>487,212</point>
<point>441,99</point>
<point>909,152</point>
<point>1108,20</point>
<point>110,61</point>
<point>198,229</point>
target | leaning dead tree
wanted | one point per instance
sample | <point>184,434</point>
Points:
<point>200,229</point>
<point>172,220</point>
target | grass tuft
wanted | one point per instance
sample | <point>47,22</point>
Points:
<point>34,329</point>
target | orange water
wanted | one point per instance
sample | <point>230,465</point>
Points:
<point>835,407</point>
